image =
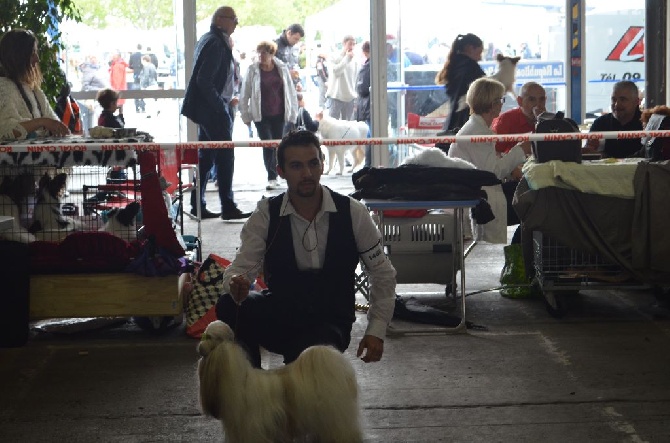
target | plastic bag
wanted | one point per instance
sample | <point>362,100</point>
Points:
<point>513,275</point>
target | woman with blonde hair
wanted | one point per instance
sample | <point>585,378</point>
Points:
<point>270,101</point>
<point>24,109</point>
<point>485,98</point>
<point>459,71</point>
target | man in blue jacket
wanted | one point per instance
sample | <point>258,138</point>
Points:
<point>206,102</point>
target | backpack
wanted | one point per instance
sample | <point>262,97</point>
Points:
<point>657,148</point>
<point>71,115</point>
<point>564,150</point>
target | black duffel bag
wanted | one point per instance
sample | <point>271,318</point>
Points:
<point>15,299</point>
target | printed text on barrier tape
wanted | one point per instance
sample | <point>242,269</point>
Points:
<point>519,138</point>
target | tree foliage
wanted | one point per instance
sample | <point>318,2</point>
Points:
<point>155,14</point>
<point>41,17</point>
<point>142,14</point>
<point>276,13</point>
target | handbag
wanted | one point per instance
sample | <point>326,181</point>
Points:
<point>300,123</point>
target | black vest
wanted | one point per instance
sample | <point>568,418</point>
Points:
<point>327,293</point>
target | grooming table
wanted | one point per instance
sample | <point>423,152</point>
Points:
<point>103,295</point>
<point>458,206</point>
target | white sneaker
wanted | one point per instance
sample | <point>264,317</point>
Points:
<point>272,184</point>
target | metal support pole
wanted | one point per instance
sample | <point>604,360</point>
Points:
<point>378,96</point>
<point>656,53</point>
<point>575,79</point>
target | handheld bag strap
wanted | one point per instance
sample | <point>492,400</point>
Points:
<point>25,99</point>
<point>301,120</point>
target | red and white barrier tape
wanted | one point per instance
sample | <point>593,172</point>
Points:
<point>65,146</point>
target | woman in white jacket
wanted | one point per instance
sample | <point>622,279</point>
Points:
<point>24,109</point>
<point>269,100</point>
<point>485,98</point>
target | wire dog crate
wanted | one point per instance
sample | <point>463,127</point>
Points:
<point>561,271</point>
<point>48,203</point>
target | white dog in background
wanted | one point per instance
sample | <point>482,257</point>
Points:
<point>332,129</point>
<point>315,398</point>
<point>506,73</point>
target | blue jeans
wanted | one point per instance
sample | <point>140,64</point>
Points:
<point>223,158</point>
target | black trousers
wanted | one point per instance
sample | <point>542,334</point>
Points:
<point>223,158</point>
<point>279,325</point>
<point>270,128</point>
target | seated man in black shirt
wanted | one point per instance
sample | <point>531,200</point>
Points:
<point>625,116</point>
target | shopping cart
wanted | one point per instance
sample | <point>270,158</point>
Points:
<point>561,271</point>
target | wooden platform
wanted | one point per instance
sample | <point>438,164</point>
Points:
<point>103,295</point>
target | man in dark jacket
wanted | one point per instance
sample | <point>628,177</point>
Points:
<point>285,43</point>
<point>363,99</point>
<point>625,116</point>
<point>206,103</point>
<point>135,63</point>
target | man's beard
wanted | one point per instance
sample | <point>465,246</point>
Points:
<point>306,189</point>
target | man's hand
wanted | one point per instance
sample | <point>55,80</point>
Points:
<point>234,101</point>
<point>517,174</point>
<point>373,346</point>
<point>591,147</point>
<point>239,288</point>
<point>527,147</point>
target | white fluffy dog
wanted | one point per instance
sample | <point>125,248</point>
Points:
<point>437,158</point>
<point>506,73</point>
<point>314,398</point>
<point>332,129</point>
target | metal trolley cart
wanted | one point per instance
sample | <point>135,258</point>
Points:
<point>561,272</point>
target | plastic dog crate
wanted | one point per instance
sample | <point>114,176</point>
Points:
<point>421,249</point>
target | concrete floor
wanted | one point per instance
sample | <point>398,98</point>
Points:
<point>600,374</point>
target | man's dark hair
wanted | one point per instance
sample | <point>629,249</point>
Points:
<point>296,27</point>
<point>297,138</point>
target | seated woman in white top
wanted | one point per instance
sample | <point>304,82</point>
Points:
<point>24,109</point>
<point>485,98</point>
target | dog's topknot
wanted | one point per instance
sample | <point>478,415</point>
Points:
<point>216,333</point>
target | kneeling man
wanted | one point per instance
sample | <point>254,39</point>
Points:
<point>308,241</point>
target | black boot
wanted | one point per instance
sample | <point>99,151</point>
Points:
<point>205,212</point>
<point>194,202</point>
